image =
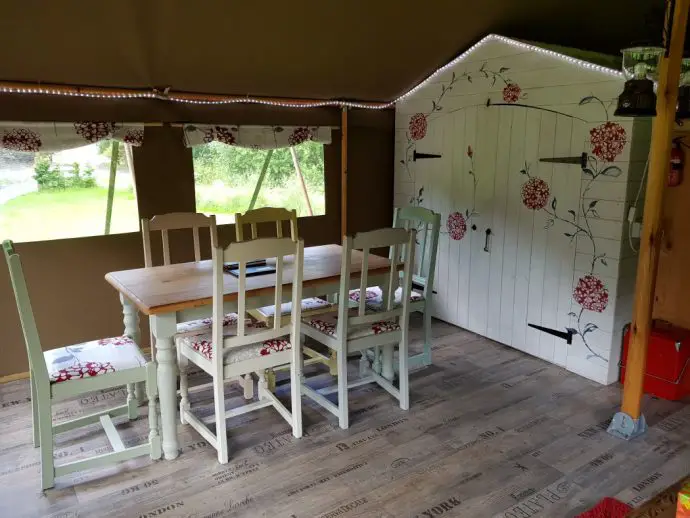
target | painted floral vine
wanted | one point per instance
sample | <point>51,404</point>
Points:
<point>457,222</point>
<point>607,142</point>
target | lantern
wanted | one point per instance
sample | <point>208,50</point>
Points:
<point>640,67</point>
<point>683,110</point>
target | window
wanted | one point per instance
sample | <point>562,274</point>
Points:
<point>228,179</point>
<point>64,194</point>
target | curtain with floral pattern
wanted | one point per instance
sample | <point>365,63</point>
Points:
<point>57,136</point>
<point>255,137</point>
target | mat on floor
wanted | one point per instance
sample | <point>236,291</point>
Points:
<point>607,508</point>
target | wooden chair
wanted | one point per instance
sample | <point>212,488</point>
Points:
<point>164,223</point>
<point>71,371</point>
<point>310,306</point>
<point>349,331</point>
<point>427,224</point>
<point>228,352</point>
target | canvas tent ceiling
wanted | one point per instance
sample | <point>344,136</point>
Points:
<point>349,49</point>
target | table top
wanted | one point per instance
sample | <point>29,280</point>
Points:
<point>163,289</point>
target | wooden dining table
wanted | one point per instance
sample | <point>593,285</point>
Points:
<point>182,292</point>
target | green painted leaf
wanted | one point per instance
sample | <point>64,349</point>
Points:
<point>587,100</point>
<point>612,171</point>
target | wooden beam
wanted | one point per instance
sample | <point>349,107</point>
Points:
<point>260,181</point>
<point>667,94</point>
<point>300,177</point>
<point>343,172</point>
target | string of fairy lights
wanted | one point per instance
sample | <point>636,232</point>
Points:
<point>103,93</point>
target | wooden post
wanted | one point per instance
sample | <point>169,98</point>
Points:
<point>300,177</point>
<point>260,181</point>
<point>630,422</point>
<point>114,156</point>
<point>343,172</point>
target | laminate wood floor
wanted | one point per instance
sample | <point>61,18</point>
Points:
<point>490,432</point>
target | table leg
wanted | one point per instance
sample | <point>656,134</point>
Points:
<point>164,327</point>
<point>130,317</point>
<point>387,362</point>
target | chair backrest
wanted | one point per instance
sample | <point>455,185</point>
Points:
<point>247,251</point>
<point>427,223</point>
<point>174,221</point>
<point>26,315</point>
<point>266,215</point>
<point>402,244</point>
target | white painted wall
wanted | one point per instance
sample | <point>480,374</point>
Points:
<point>532,268</point>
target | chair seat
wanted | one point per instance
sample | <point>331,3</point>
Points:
<point>312,305</point>
<point>204,324</point>
<point>375,297</point>
<point>201,343</point>
<point>328,324</point>
<point>94,358</point>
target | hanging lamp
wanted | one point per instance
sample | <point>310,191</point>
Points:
<point>683,107</point>
<point>640,68</point>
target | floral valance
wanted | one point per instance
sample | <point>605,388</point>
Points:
<point>255,137</point>
<point>57,136</point>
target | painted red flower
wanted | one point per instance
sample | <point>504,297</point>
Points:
<point>608,140</point>
<point>470,151</point>
<point>535,193</point>
<point>299,135</point>
<point>134,137</point>
<point>512,93</point>
<point>93,131</point>
<point>22,139</point>
<point>457,226</point>
<point>417,128</point>
<point>591,294</point>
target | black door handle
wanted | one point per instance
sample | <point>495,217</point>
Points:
<point>486,242</point>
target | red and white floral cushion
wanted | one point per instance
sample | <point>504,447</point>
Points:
<point>202,343</point>
<point>204,325</point>
<point>375,297</point>
<point>312,305</point>
<point>93,358</point>
<point>328,324</point>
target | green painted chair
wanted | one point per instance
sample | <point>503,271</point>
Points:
<point>68,372</point>
<point>427,223</point>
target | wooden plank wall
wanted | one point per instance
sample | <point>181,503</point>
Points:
<point>531,269</point>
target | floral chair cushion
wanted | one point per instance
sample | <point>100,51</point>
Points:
<point>203,325</point>
<point>93,358</point>
<point>328,324</point>
<point>313,305</point>
<point>375,297</point>
<point>202,343</point>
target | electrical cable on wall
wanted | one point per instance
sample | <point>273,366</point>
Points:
<point>632,211</point>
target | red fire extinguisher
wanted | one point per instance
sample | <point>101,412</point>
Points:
<point>675,173</point>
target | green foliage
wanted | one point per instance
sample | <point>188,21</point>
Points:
<point>50,178</point>
<point>47,175</point>
<point>236,166</point>
<point>105,148</point>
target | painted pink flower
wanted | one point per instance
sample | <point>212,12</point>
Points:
<point>591,294</point>
<point>457,226</point>
<point>93,131</point>
<point>22,139</point>
<point>134,137</point>
<point>300,135</point>
<point>608,141</point>
<point>512,93</point>
<point>535,193</point>
<point>417,128</point>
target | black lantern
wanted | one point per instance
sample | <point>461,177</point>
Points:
<point>683,110</point>
<point>640,65</point>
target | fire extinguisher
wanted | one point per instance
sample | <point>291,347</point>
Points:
<point>675,173</point>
